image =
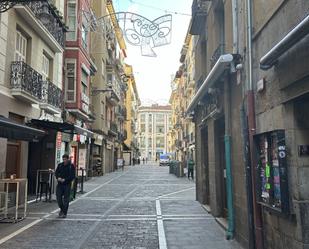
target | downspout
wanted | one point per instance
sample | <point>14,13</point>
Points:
<point>247,163</point>
<point>235,26</point>
<point>228,161</point>
<point>252,127</point>
<point>227,136</point>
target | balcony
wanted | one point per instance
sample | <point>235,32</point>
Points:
<point>82,111</point>
<point>178,144</point>
<point>199,14</point>
<point>26,83</point>
<point>112,98</point>
<point>45,21</point>
<point>113,129</point>
<point>121,137</point>
<point>121,113</point>
<point>216,55</point>
<point>52,98</point>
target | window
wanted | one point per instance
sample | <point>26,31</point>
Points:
<point>160,118</point>
<point>160,142</point>
<point>71,34</point>
<point>84,80</point>
<point>70,81</point>
<point>149,142</point>
<point>142,117</point>
<point>84,37</point>
<point>143,128</point>
<point>21,47</point>
<point>160,129</point>
<point>45,67</point>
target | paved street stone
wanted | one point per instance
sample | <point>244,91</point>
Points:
<point>142,207</point>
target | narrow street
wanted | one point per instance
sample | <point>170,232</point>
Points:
<point>140,207</point>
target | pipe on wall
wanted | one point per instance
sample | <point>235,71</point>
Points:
<point>228,161</point>
<point>257,213</point>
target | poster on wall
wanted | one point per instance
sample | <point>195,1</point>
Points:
<point>58,148</point>
<point>81,161</point>
<point>272,170</point>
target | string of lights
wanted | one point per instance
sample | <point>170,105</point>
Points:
<point>164,10</point>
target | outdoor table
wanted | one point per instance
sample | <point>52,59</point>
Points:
<point>18,181</point>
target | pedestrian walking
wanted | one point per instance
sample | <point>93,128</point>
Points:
<point>123,162</point>
<point>65,174</point>
<point>190,166</point>
<point>143,160</point>
<point>138,161</point>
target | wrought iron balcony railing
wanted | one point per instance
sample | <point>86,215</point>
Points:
<point>113,127</point>
<point>199,14</point>
<point>216,55</point>
<point>50,19</point>
<point>25,78</point>
<point>52,94</point>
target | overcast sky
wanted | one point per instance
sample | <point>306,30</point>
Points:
<point>153,74</point>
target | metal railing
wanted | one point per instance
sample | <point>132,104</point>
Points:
<point>216,55</point>
<point>113,127</point>
<point>52,94</point>
<point>26,78</point>
<point>50,19</point>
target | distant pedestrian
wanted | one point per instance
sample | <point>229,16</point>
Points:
<point>123,163</point>
<point>65,174</point>
<point>143,160</point>
<point>190,166</point>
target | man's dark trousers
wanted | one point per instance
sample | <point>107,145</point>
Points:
<point>63,197</point>
<point>190,173</point>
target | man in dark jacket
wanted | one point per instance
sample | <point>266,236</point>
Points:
<point>65,174</point>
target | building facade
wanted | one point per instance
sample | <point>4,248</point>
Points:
<point>154,123</point>
<point>30,86</point>
<point>132,103</point>
<point>183,129</point>
<point>251,135</point>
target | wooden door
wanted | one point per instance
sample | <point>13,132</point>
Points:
<point>13,159</point>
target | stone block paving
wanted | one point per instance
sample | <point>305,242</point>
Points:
<point>203,233</point>
<point>129,207</point>
<point>182,208</point>
<point>96,206</point>
<point>124,235</point>
<point>142,207</point>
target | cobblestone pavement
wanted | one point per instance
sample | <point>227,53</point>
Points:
<point>140,207</point>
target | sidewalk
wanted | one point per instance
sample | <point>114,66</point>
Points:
<point>140,207</point>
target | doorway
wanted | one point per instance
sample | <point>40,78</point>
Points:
<point>13,158</point>
<point>220,127</point>
<point>205,162</point>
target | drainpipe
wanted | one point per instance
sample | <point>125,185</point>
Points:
<point>228,163</point>
<point>227,136</point>
<point>235,26</point>
<point>247,162</point>
<point>252,127</point>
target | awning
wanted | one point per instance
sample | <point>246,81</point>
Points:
<point>293,37</point>
<point>221,65</point>
<point>63,127</point>
<point>10,129</point>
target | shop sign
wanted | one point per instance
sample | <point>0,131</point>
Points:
<point>58,147</point>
